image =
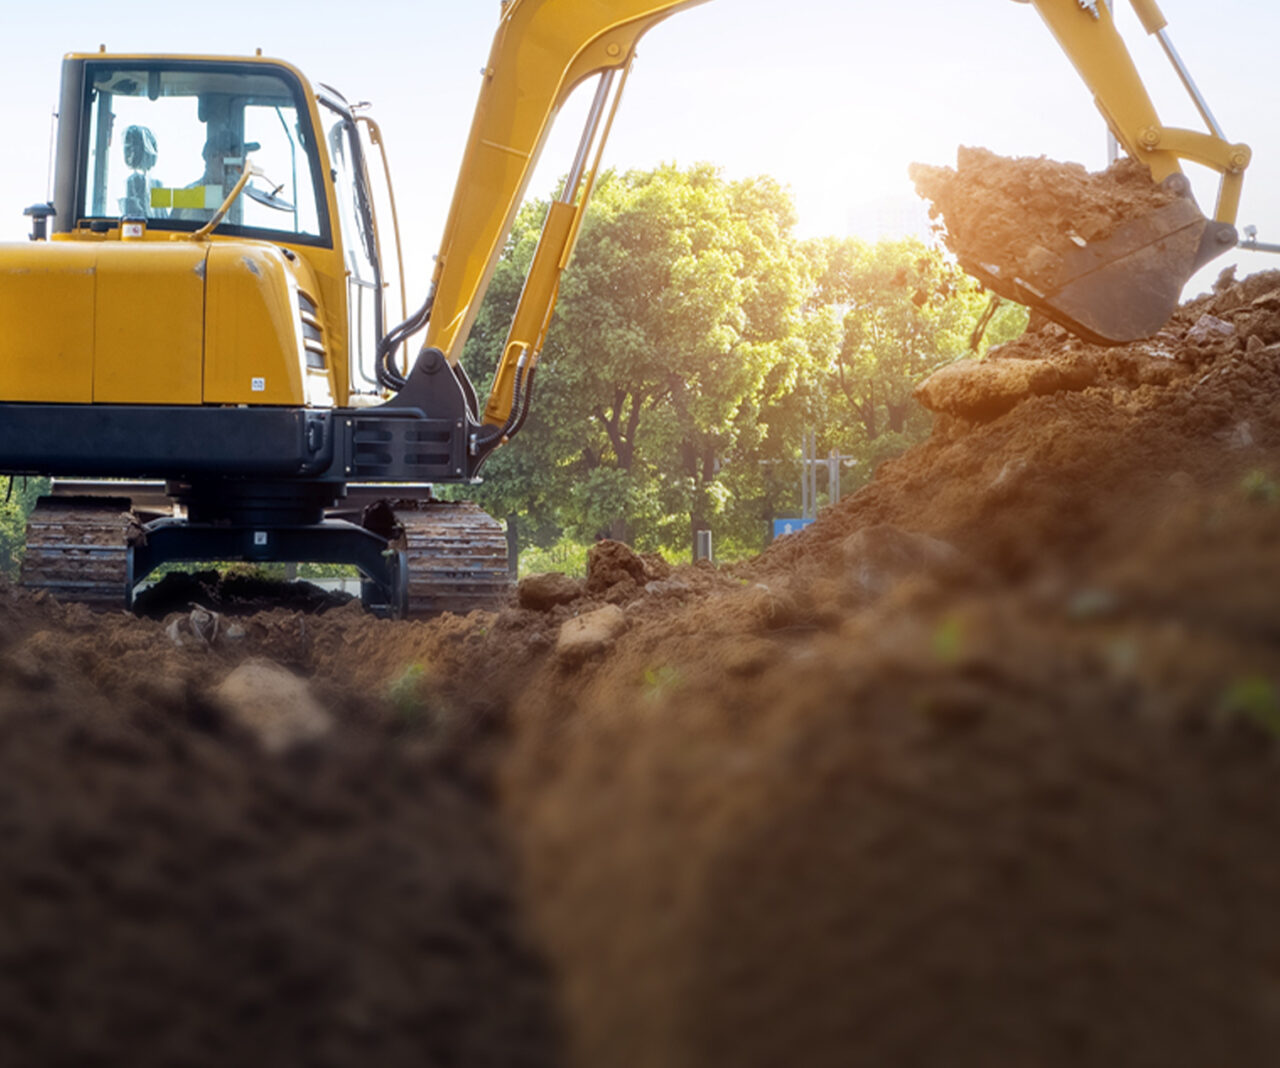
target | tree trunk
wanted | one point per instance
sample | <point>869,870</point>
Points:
<point>701,469</point>
<point>620,530</point>
<point>867,411</point>
<point>513,545</point>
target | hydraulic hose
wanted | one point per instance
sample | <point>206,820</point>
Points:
<point>389,376</point>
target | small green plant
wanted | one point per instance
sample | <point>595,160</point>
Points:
<point>1259,487</point>
<point>1253,698</point>
<point>324,571</point>
<point>948,640</point>
<point>406,692</point>
<point>569,557</point>
<point>659,683</point>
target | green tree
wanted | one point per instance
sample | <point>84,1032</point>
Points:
<point>694,342</point>
<point>17,498</point>
<point>886,316</point>
<point>682,297</point>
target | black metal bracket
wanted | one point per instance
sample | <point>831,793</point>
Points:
<point>385,569</point>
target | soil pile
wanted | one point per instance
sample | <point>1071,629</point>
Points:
<point>1018,215</point>
<point>980,769</point>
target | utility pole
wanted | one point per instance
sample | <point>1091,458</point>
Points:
<point>809,464</point>
<point>809,474</point>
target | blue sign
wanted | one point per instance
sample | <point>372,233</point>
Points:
<point>788,526</point>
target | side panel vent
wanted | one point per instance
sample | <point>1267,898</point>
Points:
<point>405,449</point>
<point>312,333</point>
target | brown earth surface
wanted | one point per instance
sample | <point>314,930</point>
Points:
<point>980,769</point>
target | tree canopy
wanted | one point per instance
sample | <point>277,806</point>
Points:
<point>694,341</point>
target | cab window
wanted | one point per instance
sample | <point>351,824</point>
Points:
<point>169,144</point>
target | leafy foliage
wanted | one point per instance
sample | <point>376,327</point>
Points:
<point>694,342</point>
<point>886,317</point>
<point>17,498</point>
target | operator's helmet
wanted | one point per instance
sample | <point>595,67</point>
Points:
<point>140,152</point>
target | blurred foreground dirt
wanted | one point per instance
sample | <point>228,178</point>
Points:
<point>980,769</point>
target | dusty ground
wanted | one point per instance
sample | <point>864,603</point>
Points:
<point>980,769</point>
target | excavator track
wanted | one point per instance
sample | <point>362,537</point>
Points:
<point>78,550</point>
<point>456,557</point>
<point>453,555</point>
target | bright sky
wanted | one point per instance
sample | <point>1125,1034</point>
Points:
<point>833,97</point>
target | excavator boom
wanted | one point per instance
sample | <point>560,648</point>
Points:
<point>542,51</point>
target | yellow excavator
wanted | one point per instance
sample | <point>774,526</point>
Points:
<point>194,342</point>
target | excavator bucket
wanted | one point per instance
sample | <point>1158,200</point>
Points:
<point>1126,286</point>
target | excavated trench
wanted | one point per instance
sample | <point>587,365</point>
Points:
<point>980,769</point>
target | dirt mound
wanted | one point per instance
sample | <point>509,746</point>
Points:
<point>1018,214</point>
<point>978,769</point>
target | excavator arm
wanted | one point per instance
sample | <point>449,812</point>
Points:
<point>1086,32</point>
<point>542,51</point>
<point>1116,290</point>
<point>1126,287</point>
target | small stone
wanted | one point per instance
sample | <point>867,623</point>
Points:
<point>1240,436</point>
<point>671,587</point>
<point>982,390</point>
<point>205,624</point>
<point>1254,345</point>
<point>541,593</point>
<point>880,556</point>
<point>272,704</point>
<point>1090,604</point>
<point>1011,474</point>
<point>585,635</point>
<point>1209,328</point>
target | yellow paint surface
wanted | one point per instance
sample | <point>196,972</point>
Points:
<point>253,349</point>
<point>148,323</point>
<point>46,322</point>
